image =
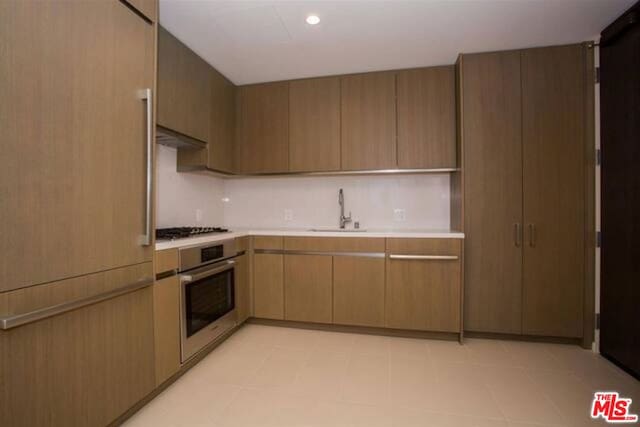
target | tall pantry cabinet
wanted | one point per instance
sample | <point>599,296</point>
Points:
<point>525,126</point>
<point>76,313</point>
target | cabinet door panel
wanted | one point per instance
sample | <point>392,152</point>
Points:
<point>358,291</point>
<point>263,128</point>
<point>184,88</point>
<point>72,166</point>
<point>308,288</point>
<point>368,121</point>
<point>491,98</point>
<point>554,151</point>
<point>166,312</point>
<point>82,368</point>
<point>268,286</point>
<point>223,121</point>
<point>314,125</point>
<point>427,118</point>
<point>243,288</point>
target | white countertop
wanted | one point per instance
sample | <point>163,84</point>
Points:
<point>292,232</point>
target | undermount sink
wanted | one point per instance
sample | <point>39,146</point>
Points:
<point>339,230</point>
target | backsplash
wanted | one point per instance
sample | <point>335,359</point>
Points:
<point>383,201</point>
<point>180,196</point>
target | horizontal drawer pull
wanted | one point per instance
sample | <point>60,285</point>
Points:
<point>301,252</point>
<point>424,257</point>
<point>16,320</point>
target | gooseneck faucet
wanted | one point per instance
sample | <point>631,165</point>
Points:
<point>343,219</point>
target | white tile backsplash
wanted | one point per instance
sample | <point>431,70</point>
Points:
<point>383,201</point>
<point>400,202</point>
<point>185,199</point>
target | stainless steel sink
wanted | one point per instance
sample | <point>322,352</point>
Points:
<point>339,230</point>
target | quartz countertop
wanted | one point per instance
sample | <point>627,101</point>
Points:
<point>292,232</point>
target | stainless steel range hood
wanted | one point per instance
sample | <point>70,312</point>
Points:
<point>175,139</point>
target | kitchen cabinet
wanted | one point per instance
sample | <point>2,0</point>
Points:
<point>184,88</point>
<point>268,279</point>
<point>80,123</point>
<point>219,152</point>
<point>423,285</point>
<point>83,367</point>
<point>243,288</point>
<point>426,118</point>
<point>368,117</point>
<point>166,315</point>
<point>148,8</point>
<point>525,132</point>
<point>263,128</point>
<point>554,140</point>
<point>308,289</point>
<point>493,191</point>
<point>358,291</point>
<point>314,125</point>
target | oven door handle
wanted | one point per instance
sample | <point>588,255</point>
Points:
<point>185,278</point>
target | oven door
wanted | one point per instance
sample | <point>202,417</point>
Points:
<point>207,306</point>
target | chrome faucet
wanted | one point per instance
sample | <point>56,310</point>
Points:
<point>343,219</point>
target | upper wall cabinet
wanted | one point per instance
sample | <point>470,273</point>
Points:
<point>368,121</point>
<point>184,88</point>
<point>147,8</point>
<point>314,125</point>
<point>426,118</point>
<point>223,119</point>
<point>263,128</point>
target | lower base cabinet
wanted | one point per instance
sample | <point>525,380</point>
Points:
<point>308,288</point>
<point>358,291</point>
<point>84,367</point>
<point>268,279</point>
<point>243,289</point>
<point>166,305</point>
<point>423,284</point>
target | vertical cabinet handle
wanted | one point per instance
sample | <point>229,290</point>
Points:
<point>146,95</point>
<point>532,235</point>
<point>517,230</point>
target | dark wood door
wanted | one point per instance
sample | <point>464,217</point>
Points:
<point>72,166</point>
<point>493,192</point>
<point>553,133</point>
<point>620,131</point>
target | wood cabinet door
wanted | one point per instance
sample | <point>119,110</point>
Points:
<point>243,288</point>
<point>148,8</point>
<point>368,111</point>
<point>358,291</point>
<point>314,125</point>
<point>423,294</point>
<point>166,320</point>
<point>73,160</point>
<point>184,88</point>
<point>553,87</point>
<point>268,286</point>
<point>84,367</point>
<point>263,128</point>
<point>308,289</point>
<point>427,118</point>
<point>223,122</point>
<point>491,123</point>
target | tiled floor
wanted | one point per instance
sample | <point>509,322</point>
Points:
<point>271,376</point>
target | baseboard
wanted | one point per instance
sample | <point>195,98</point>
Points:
<point>527,338</point>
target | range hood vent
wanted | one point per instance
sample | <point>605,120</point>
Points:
<point>174,139</point>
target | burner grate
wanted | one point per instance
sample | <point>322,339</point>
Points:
<point>184,232</point>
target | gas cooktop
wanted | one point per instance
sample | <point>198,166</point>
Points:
<point>184,232</point>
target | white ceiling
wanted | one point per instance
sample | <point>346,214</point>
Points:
<point>259,41</point>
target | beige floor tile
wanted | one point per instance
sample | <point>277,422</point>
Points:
<point>531,355</point>
<point>333,343</point>
<point>371,345</point>
<point>447,351</point>
<point>489,352</point>
<point>413,384</point>
<point>417,418</point>
<point>366,380</point>
<point>408,348</point>
<point>321,376</point>
<point>340,414</point>
<point>280,369</point>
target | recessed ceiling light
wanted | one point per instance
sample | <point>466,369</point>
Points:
<point>313,19</point>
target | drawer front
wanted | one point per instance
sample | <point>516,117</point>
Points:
<point>268,242</point>
<point>166,260</point>
<point>424,247</point>
<point>334,244</point>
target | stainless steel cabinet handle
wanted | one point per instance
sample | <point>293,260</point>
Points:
<point>518,234</point>
<point>532,235</point>
<point>424,257</point>
<point>145,239</point>
<point>16,320</point>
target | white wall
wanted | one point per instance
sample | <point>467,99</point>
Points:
<point>180,195</point>
<point>261,202</point>
<point>313,201</point>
